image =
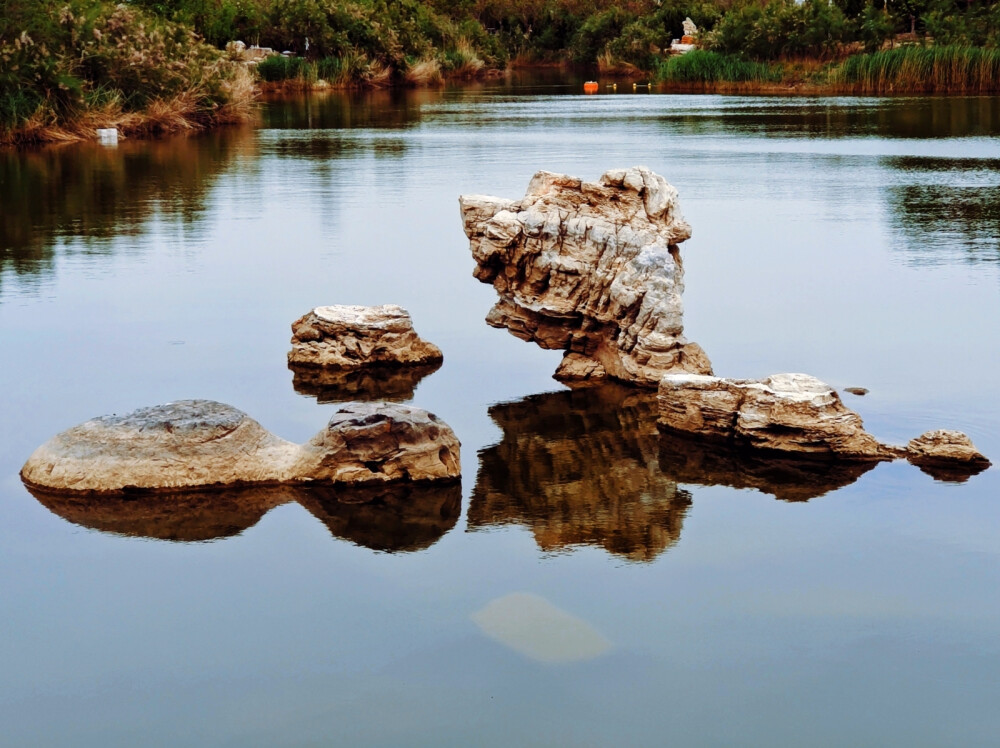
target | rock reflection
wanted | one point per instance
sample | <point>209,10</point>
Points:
<point>392,383</point>
<point>580,467</point>
<point>406,517</point>
<point>400,517</point>
<point>690,461</point>
<point>588,467</point>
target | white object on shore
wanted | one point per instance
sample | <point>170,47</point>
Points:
<point>107,136</point>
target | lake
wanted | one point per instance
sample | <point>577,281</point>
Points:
<point>590,583</point>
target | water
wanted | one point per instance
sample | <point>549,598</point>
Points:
<point>590,583</point>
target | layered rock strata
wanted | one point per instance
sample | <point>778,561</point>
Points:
<point>592,268</point>
<point>347,337</point>
<point>794,414</point>
<point>200,443</point>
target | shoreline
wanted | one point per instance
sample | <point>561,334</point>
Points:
<point>175,117</point>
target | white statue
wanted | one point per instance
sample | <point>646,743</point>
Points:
<point>689,28</point>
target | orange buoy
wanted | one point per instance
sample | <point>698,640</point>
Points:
<point>590,87</point>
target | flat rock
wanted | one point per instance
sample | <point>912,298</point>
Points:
<point>592,268</point>
<point>791,413</point>
<point>204,444</point>
<point>352,336</point>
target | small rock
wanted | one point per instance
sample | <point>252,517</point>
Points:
<point>352,336</point>
<point>945,446</point>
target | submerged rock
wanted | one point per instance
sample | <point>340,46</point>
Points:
<point>351,336</point>
<point>592,268</point>
<point>200,443</point>
<point>793,413</point>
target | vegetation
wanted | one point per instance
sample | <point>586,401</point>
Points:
<point>914,69</point>
<point>86,64</point>
<point>68,66</point>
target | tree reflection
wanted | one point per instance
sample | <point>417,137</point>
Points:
<point>76,199</point>
<point>391,518</point>
<point>946,209</point>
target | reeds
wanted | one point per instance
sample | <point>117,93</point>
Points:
<point>702,67</point>
<point>426,72</point>
<point>916,69</point>
<point>462,61</point>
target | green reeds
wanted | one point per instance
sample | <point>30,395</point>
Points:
<point>915,69</point>
<point>704,67</point>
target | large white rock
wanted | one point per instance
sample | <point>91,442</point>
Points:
<point>592,268</point>
<point>200,443</point>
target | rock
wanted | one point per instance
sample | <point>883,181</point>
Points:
<point>379,382</point>
<point>200,443</point>
<point>946,455</point>
<point>380,442</point>
<point>859,391</point>
<point>792,413</point>
<point>579,467</point>
<point>592,268</point>
<point>352,336</point>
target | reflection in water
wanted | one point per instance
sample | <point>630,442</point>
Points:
<point>588,467</point>
<point>537,629</point>
<point>712,464</point>
<point>385,108</point>
<point>392,383</point>
<point>398,517</point>
<point>54,195</point>
<point>580,467</point>
<point>402,517</point>
<point>945,209</point>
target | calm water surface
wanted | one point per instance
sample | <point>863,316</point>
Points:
<point>590,583</point>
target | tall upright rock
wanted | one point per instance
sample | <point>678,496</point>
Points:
<point>592,268</point>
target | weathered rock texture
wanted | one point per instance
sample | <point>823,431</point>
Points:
<point>794,414</point>
<point>200,443</point>
<point>592,268</point>
<point>351,336</point>
<point>578,468</point>
<point>378,382</point>
<point>387,517</point>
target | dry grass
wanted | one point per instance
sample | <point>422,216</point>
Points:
<point>426,72</point>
